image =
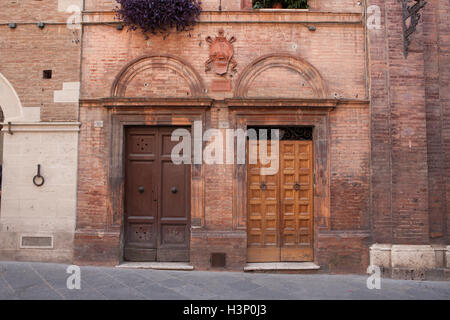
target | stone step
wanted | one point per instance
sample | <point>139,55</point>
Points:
<point>281,266</point>
<point>180,266</point>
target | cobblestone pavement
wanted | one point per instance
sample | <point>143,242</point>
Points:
<point>21,280</point>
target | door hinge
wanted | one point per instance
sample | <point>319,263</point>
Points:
<point>314,179</point>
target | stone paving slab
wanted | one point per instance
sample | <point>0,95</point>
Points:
<point>32,281</point>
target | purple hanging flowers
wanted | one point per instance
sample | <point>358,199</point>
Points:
<point>159,16</point>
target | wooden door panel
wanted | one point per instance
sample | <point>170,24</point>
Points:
<point>140,143</point>
<point>280,218</point>
<point>174,218</point>
<point>173,191</point>
<point>139,189</point>
<point>140,207</point>
<point>263,217</point>
<point>174,211</point>
<point>157,219</point>
<point>296,200</point>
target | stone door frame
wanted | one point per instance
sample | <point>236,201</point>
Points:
<point>316,115</point>
<point>167,114</point>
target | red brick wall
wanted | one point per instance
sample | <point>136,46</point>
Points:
<point>234,246</point>
<point>442,18</point>
<point>444,95</point>
<point>227,5</point>
<point>156,84</point>
<point>385,161</point>
<point>409,164</point>
<point>410,102</point>
<point>350,175</point>
<point>32,10</point>
<point>265,86</point>
<point>389,167</point>
<point>107,51</point>
<point>27,50</point>
<point>343,252</point>
<point>335,5</point>
<point>331,49</point>
<point>93,179</point>
<point>380,131</point>
<point>436,150</point>
<point>399,141</point>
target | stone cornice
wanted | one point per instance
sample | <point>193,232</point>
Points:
<point>250,16</point>
<point>41,127</point>
<point>243,16</point>
<point>146,102</point>
<point>232,102</point>
<point>280,102</point>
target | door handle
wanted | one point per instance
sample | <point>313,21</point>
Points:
<point>141,189</point>
<point>174,190</point>
<point>296,186</point>
<point>263,186</point>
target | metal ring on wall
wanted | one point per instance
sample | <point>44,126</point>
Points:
<point>38,177</point>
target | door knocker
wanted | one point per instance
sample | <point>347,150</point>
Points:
<point>38,180</point>
<point>296,186</point>
<point>263,186</point>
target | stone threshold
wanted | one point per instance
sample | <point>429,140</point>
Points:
<point>281,266</point>
<point>177,266</point>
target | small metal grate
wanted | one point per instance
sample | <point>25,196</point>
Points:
<point>218,260</point>
<point>36,242</point>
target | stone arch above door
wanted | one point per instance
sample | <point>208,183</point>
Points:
<point>158,76</point>
<point>281,76</point>
<point>9,101</point>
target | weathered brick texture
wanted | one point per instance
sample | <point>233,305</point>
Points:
<point>436,150</point>
<point>387,138</point>
<point>331,49</point>
<point>407,192</point>
<point>350,177</point>
<point>25,52</point>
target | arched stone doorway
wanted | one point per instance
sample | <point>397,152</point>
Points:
<point>9,101</point>
<point>10,110</point>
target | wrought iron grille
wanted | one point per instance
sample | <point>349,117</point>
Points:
<point>285,133</point>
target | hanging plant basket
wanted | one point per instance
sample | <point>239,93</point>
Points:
<point>159,16</point>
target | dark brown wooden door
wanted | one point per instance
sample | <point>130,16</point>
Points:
<point>157,198</point>
<point>280,207</point>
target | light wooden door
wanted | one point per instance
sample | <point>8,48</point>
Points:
<point>296,209</point>
<point>280,207</point>
<point>262,212</point>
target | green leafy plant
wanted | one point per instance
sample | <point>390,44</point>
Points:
<point>287,4</point>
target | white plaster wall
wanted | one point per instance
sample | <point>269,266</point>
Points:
<point>47,210</point>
